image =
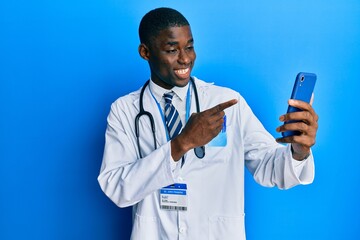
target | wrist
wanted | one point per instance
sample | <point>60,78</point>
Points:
<point>178,148</point>
<point>300,156</point>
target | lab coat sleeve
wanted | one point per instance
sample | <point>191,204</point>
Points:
<point>270,163</point>
<point>125,178</point>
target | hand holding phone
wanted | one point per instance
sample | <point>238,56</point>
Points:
<point>302,90</point>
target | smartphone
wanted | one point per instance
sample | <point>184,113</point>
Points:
<point>302,90</point>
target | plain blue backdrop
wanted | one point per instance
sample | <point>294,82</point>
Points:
<point>62,63</point>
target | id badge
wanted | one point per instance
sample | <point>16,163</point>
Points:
<point>174,197</point>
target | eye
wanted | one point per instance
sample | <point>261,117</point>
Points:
<point>171,51</point>
<point>190,48</point>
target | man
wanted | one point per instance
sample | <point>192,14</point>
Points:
<point>176,192</point>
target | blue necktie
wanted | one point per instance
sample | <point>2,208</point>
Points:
<point>172,118</point>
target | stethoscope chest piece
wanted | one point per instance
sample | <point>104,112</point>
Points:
<point>200,151</point>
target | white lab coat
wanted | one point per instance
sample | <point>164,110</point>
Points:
<point>215,183</point>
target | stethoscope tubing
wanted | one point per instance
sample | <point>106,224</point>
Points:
<point>199,151</point>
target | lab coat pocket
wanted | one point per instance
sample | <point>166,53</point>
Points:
<point>145,227</point>
<point>218,149</point>
<point>215,155</point>
<point>225,227</point>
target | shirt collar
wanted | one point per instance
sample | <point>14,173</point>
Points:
<point>158,91</point>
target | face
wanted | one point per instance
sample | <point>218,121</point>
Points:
<point>171,56</point>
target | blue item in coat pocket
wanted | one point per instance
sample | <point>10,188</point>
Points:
<point>221,139</point>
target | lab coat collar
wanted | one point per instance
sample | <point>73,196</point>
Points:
<point>159,92</point>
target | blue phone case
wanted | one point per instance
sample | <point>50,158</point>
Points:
<point>302,90</point>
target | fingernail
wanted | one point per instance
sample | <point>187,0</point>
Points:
<point>282,118</point>
<point>291,101</point>
<point>278,129</point>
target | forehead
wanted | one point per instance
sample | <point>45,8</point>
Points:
<point>173,34</point>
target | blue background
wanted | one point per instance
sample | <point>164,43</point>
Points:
<point>62,63</point>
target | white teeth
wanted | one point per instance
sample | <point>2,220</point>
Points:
<point>182,71</point>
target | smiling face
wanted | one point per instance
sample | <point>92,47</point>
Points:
<point>171,56</point>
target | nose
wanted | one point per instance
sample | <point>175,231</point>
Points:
<point>184,58</point>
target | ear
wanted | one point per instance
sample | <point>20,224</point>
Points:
<point>144,51</point>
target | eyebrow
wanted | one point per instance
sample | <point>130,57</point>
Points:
<point>176,43</point>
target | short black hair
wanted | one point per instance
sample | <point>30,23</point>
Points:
<point>157,20</point>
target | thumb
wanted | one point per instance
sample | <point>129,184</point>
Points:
<point>312,99</point>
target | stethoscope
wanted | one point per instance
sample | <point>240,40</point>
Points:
<point>199,151</point>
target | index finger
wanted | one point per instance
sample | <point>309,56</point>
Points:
<point>222,106</point>
<point>304,106</point>
<point>300,104</point>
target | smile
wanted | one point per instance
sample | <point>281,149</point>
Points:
<point>182,71</point>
